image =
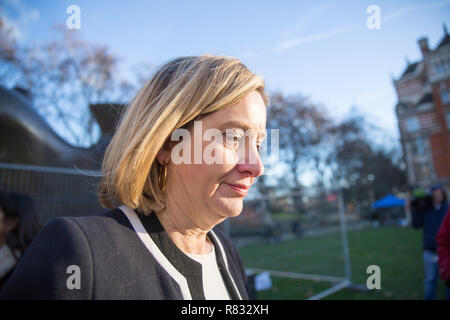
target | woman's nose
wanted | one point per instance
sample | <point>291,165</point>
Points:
<point>251,162</point>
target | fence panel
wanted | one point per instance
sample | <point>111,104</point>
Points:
<point>56,191</point>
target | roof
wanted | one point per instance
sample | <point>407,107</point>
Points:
<point>410,68</point>
<point>413,66</point>
<point>444,42</point>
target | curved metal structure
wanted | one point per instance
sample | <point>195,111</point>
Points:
<point>26,138</point>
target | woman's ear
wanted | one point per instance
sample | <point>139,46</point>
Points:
<point>163,155</point>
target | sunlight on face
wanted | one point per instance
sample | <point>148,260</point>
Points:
<point>216,190</point>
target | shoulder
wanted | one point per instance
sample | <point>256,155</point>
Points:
<point>103,233</point>
<point>112,219</point>
<point>65,230</point>
<point>42,272</point>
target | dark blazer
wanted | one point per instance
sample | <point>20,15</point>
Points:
<point>430,220</point>
<point>113,262</point>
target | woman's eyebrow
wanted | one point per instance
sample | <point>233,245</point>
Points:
<point>235,124</point>
<point>240,124</point>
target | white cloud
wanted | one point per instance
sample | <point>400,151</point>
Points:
<point>292,38</point>
<point>12,26</point>
<point>300,40</point>
<point>19,16</point>
<point>407,9</point>
<point>311,38</point>
<point>306,19</point>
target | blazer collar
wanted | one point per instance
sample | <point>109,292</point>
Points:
<point>190,268</point>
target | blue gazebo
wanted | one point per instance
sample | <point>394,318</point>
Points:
<point>389,201</point>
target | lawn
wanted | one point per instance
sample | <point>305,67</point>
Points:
<point>397,251</point>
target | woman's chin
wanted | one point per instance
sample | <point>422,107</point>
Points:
<point>230,208</point>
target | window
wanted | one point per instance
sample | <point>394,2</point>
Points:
<point>424,106</point>
<point>419,147</point>
<point>412,124</point>
<point>425,171</point>
<point>445,96</point>
<point>438,67</point>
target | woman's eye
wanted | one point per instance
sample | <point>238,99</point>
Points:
<point>232,140</point>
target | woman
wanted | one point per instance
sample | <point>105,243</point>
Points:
<point>19,224</point>
<point>167,186</point>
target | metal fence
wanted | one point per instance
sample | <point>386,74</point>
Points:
<point>314,213</point>
<point>56,191</point>
<point>73,192</point>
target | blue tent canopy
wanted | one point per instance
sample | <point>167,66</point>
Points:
<point>388,201</point>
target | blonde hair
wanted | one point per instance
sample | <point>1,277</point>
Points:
<point>179,92</point>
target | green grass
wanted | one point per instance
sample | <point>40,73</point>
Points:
<point>397,251</point>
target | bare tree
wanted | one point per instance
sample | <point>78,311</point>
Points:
<point>303,131</point>
<point>364,170</point>
<point>64,77</point>
<point>303,127</point>
<point>8,51</point>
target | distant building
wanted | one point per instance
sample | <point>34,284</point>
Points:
<point>423,113</point>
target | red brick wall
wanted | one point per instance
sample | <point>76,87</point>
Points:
<point>440,149</point>
<point>440,142</point>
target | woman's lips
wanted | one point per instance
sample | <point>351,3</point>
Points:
<point>239,188</point>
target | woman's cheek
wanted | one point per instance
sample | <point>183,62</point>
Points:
<point>219,153</point>
<point>230,156</point>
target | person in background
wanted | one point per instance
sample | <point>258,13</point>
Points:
<point>19,224</point>
<point>443,251</point>
<point>428,213</point>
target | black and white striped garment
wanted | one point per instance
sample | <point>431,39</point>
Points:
<point>118,254</point>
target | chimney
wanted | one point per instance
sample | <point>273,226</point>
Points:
<point>423,44</point>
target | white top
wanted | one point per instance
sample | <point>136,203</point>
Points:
<point>213,284</point>
<point>7,260</point>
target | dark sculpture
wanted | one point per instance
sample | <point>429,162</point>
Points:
<point>26,138</point>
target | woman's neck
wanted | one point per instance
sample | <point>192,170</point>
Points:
<point>186,235</point>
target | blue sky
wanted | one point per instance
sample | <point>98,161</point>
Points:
<point>321,49</point>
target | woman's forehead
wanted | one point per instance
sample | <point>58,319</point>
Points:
<point>249,113</point>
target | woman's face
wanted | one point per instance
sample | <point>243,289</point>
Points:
<point>209,192</point>
<point>438,196</point>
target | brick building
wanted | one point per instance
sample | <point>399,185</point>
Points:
<point>423,113</point>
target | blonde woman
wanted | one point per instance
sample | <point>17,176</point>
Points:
<point>181,161</point>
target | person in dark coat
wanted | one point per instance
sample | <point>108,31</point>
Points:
<point>166,185</point>
<point>19,224</point>
<point>443,251</point>
<point>428,214</point>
